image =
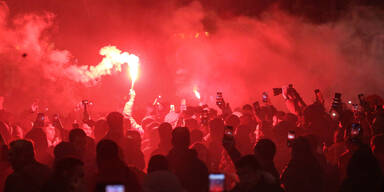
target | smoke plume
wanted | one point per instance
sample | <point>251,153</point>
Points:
<point>182,47</point>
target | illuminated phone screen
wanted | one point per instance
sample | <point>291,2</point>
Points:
<point>216,182</point>
<point>114,188</point>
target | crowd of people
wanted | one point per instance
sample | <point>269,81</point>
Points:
<point>253,148</point>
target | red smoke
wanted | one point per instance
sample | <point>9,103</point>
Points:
<point>242,56</point>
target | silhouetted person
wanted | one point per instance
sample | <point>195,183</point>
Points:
<point>192,172</point>
<point>64,150</point>
<point>214,143</point>
<point>29,175</point>
<point>378,124</point>
<point>196,136</point>
<point>132,150</point>
<point>363,173</point>
<point>5,166</point>
<point>265,151</point>
<point>68,176</point>
<point>78,139</point>
<point>303,172</point>
<point>101,129</point>
<point>377,145</point>
<point>165,135</point>
<point>337,148</point>
<point>352,145</point>
<point>39,138</point>
<point>243,140</point>
<point>116,130</point>
<point>202,152</point>
<point>251,177</point>
<point>159,178</point>
<point>157,163</point>
<point>111,168</point>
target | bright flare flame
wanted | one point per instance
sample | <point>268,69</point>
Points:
<point>197,94</point>
<point>112,62</point>
<point>133,63</point>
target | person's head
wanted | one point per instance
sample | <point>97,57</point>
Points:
<point>21,153</point>
<point>181,137</point>
<point>216,129</point>
<point>157,163</point>
<point>101,129</point>
<point>39,138</point>
<point>63,150</point>
<point>233,121</point>
<point>265,149</point>
<point>115,122</point>
<point>313,113</point>
<point>301,150</point>
<point>243,131</point>
<point>291,118</point>
<point>78,138</point>
<point>107,150</point>
<point>315,143</point>
<point>248,170</point>
<point>247,109</point>
<point>363,164</point>
<point>191,124</point>
<point>133,140</point>
<point>196,136</point>
<point>69,171</point>
<point>165,132</point>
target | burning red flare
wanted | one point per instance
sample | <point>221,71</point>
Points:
<point>197,94</point>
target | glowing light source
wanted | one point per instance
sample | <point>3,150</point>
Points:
<point>349,102</point>
<point>133,64</point>
<point>197,94</point>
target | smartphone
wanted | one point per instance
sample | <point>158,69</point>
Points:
<point>172,108</point>
<point>114,188</point>
<point>216,182</point>
<point>264,97</point>
<point>183,105</point>
<point>277,91</point>
<point>228,130</point>
<point>355,130</point>
<point>40,117</point>
<point>219,99</point>
<point>291,137</point>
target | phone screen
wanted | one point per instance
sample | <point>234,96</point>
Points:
<point>355,131</point>
<point>291,135</point>
<point>291,138</point>
<point>228,130</point>
<point>265,97</point>
<point>216,182</point>
<point>114,188</point>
